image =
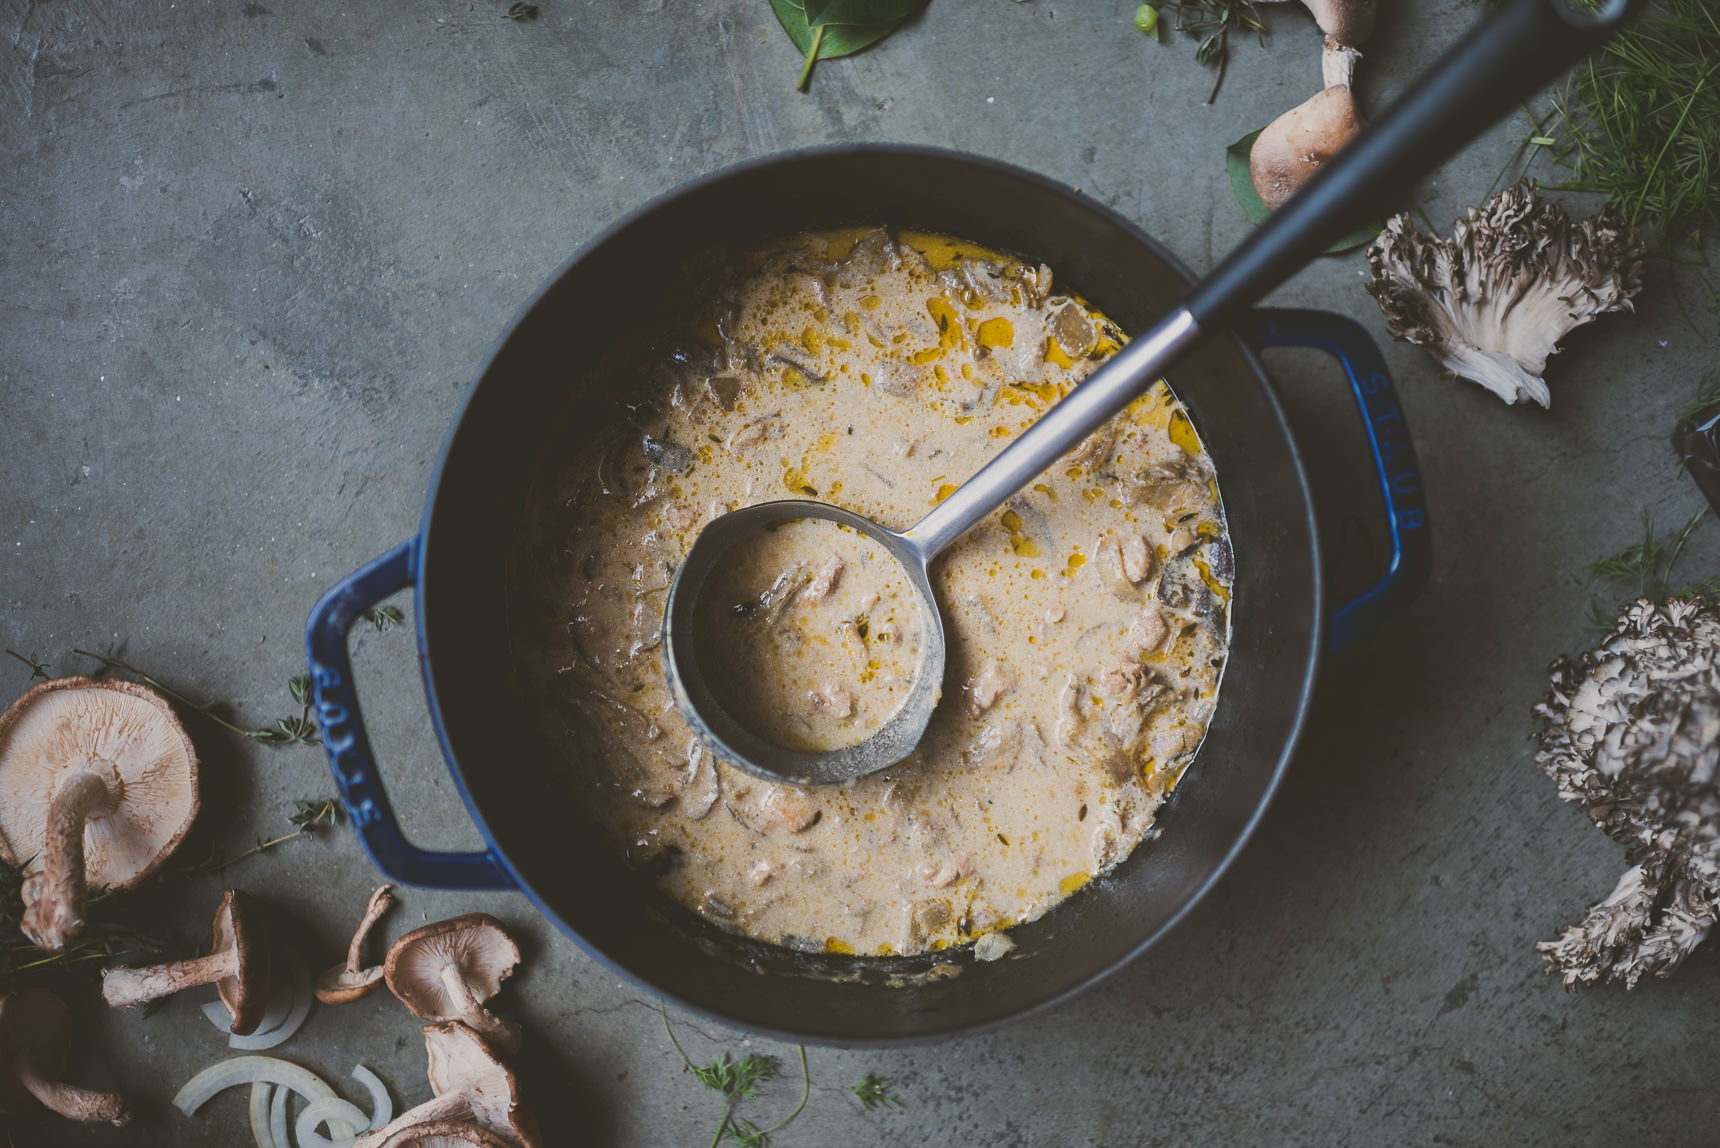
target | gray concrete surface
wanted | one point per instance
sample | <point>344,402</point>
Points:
<point>250,257</point>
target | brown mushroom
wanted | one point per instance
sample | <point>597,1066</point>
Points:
<point>445,1134</point>
<point>1349,22</point>
<point>470,1084</point>
<point>98,785</point>
<point>237,965</point>
<point>344,983</point>
<point>1290,149</point>
<point>447,970</point>
<point>35,1032</point>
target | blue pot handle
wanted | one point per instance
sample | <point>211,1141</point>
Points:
<point>1394,459</point>
<point>348,748</point>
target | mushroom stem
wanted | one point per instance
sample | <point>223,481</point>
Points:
<point>123,988</point>
<point>57,914</point>
<point>76,1103</point>
<point>380,901</point>
<point>503,1034</point>
<point>452,1105</point>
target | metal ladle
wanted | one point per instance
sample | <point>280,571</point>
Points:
<point>1493,69</point>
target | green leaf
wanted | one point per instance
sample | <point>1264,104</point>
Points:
<point>832,37</point>
<point>1242,187</point>
<point>826,12</point>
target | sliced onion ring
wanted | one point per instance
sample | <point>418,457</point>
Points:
<point>289,1004</point>
<point>296,1014</point>
<point>260,1093</point>
<point>278,1118</point>
<point>381,1104</point>
<point>280,1004</point>
<point>249,1070</point>
<point>341,1116</point>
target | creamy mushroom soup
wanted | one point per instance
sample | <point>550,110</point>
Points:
<point>1087,621</point>
<point>813,637</point>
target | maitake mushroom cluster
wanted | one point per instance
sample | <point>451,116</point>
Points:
<point>1294,146</point>
<point>1633,732</point>
<point>1492,302</point>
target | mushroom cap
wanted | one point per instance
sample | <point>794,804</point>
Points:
<point>127,733</point>
<point>239,925</point>
<point>35,1025</point>
<point>475,944</point>
<point>445,1134</point>
<point>338,986</point>
<point>463,1062</point>
<point>1293,147</point>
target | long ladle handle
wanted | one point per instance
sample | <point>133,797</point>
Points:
<point>1502,61</point>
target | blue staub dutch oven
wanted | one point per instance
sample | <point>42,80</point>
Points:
<point>460,564</point>
<point>461,568</point>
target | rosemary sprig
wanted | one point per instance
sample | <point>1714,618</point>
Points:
<point>1211,23</point>
<point>1640,121</point>
<point>20,958</point>
<point>297,730</point>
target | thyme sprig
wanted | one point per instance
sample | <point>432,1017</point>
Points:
<point>295,730</point>
<point>307,819</point>
<point>38,668</point>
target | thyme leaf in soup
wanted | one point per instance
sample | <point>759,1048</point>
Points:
<point>828,29</point>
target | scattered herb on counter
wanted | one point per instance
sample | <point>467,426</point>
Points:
<point>828,29</point>
<point>21,959</point>
<point>382,617</point>
<point>1646,564</point>
<point>299,730</point>
<point>1211,22</point>
<point>1707,395</point>
<point>521,12</point>
<point>1640,121</point>
<point>737,1080</point>
<point>874,1092</point>
<point>38,668</point>
<point>307,819</point>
